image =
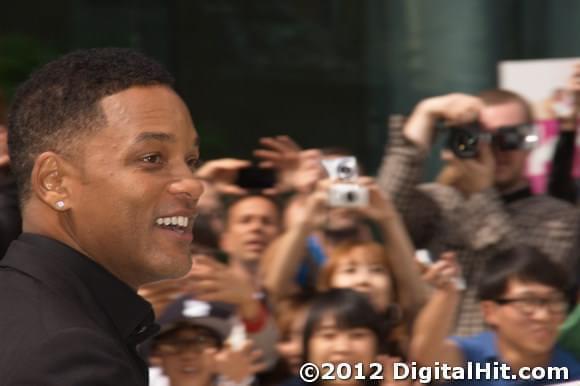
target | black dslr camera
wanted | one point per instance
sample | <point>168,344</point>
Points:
<point>463,140</point>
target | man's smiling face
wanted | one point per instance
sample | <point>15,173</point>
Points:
<point>133,199</point>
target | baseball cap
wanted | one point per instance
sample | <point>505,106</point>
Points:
<point>214,316</point>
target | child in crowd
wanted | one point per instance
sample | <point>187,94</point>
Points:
<point>191,349</point>
<point>343,327</point>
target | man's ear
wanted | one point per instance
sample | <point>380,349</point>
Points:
<point>50,180</point>
<point>489,311</point>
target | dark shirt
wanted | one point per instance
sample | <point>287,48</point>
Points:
<point>65,320</point>
<point>560,181</point>
<point>10,221</point>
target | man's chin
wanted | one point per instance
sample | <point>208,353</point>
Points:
<point>251,257</point>
<point>176,267</point>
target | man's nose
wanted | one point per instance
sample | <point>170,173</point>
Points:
<point>189,187</point>
<point>541,313</point>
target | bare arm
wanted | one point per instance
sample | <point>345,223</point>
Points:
<point>282,260</point>
<point>430,342</point>
<point>284,256</point>
<point>405,271</point>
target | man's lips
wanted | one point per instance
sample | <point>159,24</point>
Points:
<point>183,235</point>
<point>255,244</point>
<point>542,332</point>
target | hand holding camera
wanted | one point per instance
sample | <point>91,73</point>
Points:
<point>455,109</point>
<point>345,191</point>
<point>445,274</point>
<point>348,190</point>
<point>472,175</point>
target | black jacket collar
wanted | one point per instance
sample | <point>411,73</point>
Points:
<point>517,195</point>
<point>75,275</point>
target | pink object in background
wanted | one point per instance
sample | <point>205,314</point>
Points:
<point>540,159</point>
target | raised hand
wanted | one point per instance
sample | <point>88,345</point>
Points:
<point>380,207</point>
<point>471,175</point>
<point>213,281</point>
<point>297,169</point>
<point>445,273</point>
<point>239,365</point>
<point>222,174</point>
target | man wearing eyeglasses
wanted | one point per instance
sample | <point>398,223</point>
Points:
<point>482,204</point>
<point>525,297</point>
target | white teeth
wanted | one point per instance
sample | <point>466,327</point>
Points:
<point>180,221</point>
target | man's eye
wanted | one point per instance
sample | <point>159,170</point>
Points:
<point>152,158</point>
<point>193,163</point>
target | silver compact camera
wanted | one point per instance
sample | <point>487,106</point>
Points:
<point>345,192</point>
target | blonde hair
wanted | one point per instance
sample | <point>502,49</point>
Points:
<point>345,250</point>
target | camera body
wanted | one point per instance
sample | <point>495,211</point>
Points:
<point>348,196</point>
<point>345,192</point>
<point>463,141</point>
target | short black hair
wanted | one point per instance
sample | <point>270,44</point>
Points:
<point>59,103</point>
<point>526,264</point>
<point>350,309</point>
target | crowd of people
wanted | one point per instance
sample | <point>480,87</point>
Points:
<point>252,268</point>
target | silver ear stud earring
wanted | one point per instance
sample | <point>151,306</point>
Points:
<point>60,204</point>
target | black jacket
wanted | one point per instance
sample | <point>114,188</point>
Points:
<point>65,320</point>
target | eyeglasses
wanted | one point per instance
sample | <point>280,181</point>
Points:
<point>528,306</point>
<point>179,345</point>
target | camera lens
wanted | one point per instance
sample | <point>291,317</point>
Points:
<point>344,172</point>
<point>463,141</point>
<point>350,196</point>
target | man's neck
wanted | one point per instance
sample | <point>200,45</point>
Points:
<point>516,358</point>
<point>251,267</point>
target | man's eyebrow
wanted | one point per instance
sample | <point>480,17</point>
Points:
<point>154,136</point>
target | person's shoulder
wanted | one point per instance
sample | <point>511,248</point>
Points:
<point>549,210</point>
<point>71,354</point>
<point>32,312</point>
<point>550,203</point>
<point>476,348</point>
<point>563,358</point>
<point>26,300</point>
